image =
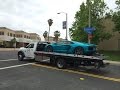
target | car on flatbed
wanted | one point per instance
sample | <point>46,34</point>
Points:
<point>71,47</point>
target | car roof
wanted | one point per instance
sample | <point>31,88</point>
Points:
<point>43,42</point>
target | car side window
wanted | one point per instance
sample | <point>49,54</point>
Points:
<point>27,46</point>
<point>30,46</point>
<point>67,42</point>
<point>60,42</point>
<point>40,47</point>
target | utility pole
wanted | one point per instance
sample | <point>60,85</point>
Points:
<point>89,20</point>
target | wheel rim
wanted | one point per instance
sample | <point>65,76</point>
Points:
<point>60,64</point>
<point>97,66</point>
<point>20,57</point>
<point>49,49</point>
<point>78,51</point>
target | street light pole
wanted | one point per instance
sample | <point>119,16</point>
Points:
<point>66,23</point>
<point>66,27</point>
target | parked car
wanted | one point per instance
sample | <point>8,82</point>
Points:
<point>71,47</point>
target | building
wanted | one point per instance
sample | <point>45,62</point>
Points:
<point>22,38</point>
<point>52,39</point>
<point>112,44</point>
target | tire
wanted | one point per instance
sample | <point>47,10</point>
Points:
<point>61,63</point>
<point>49,49</point>
<point>98,65</point>
<point>79,51</point>
<point>20,56</point>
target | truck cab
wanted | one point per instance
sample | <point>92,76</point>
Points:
<point>28,51</point>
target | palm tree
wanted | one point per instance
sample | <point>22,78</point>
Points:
<point>45,35</point>
<point>57,35</point>
<point>50,21</point>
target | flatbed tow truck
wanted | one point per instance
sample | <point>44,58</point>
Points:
<point>61,60</point>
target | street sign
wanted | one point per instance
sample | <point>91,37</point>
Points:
<point>90,36</point>
<point>89,30</point>
<point>64,25</point>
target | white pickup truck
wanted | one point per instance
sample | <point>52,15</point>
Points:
<point>28,51</point>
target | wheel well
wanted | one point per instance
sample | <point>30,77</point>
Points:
<point>78,47</point>
<point>21,53</point>
<point>49,46</point>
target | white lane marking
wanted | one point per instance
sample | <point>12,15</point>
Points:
<point>15,66</point>
<point>8,60</point>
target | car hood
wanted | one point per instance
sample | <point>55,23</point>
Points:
<point>22,48</point>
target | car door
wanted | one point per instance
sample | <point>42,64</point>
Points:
<point>66,46</point>
<point>30,50</point>
<point>58,47</point>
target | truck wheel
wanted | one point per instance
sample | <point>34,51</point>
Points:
<point>60,63</point>
<point>20,56</point>
<point>97,65</point>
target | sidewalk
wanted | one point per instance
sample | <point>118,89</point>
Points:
<point>9,49</point>
<point>112,62</point>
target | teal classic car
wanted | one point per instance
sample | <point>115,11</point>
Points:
<point>71,47</point>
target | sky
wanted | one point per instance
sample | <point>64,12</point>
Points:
<point>32,15</point>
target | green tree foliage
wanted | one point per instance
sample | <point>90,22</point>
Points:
<point>98,8</point>
<point>57,35</point>
<point>45,35</point>
<point>116,17</point>
<point>50,22</point>
<point>12,42</point>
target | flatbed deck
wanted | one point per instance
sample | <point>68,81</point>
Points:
<point>62,58</point>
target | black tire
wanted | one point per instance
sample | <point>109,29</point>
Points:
<point>98,65</point>
<point>61,63</point>
<point>20,56</point>
<point>79,51</point>
<point>49,49</point>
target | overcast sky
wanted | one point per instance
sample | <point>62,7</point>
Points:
<point>32,15</point>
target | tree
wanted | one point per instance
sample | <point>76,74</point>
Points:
<point>97,9</point>
<point>50,21</point>
<point>13,42</point>
<point>116,17</point>
<point>45,35</point>
<point>57,35</point>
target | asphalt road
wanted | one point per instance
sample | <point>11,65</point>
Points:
<point>8,55</point>
<point>30,75</point>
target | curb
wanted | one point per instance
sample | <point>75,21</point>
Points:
<point>9,49</point>
<point>112,62</point>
